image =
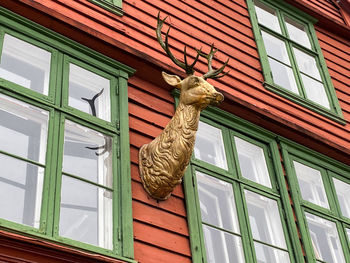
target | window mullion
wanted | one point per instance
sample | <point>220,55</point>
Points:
<point>51,174</point>
<point>243,218</point>
<point>295,68</point>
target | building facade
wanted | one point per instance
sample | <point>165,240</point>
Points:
<point>81,91</point>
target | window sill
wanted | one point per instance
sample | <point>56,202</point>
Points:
<point>332,115</point>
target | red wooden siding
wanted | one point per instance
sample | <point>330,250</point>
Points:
<point>160,228</point>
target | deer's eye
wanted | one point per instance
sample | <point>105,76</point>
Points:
<point>193,82</point>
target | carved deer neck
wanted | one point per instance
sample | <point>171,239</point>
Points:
<point>163,161</point>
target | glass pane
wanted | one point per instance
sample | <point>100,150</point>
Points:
<point>297,32</point>
<point>307,64</point>
<point>25,64</point>
<point>222,247</point>
<point>275,48</point>
<point>209,145</point>
<point>23,129</point>
<point>87,154</point>
<point>266,254</point>
<point>325,239</point>
<point>86,214</point>
<point>89,92</point>
<point>315,91</point>
<point>252,162</point>
<point>311,184</point>
<point>217,202</point>
<point>343,193</point>
<point>265,220</point>
<point>348,232</point>
<point>283,76</point>
<point>21,186</point>
<point>267,16</point>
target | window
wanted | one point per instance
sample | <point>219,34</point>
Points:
<point>114,6</point>
<point>320,194</point>
<point>64,145</point>
<point>237,202</point>
<point>292,61</point>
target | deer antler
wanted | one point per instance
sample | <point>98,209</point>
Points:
<point>188,68</point>
<point>213,74</point>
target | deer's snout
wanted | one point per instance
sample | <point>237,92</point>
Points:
<point>217,98</point>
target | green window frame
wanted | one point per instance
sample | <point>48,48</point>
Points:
<point>292,61</point>
<point>114,6</point>
<point>55,110</point>
<point>231,128</point>
<point>322,206</point>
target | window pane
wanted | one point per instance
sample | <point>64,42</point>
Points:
<point>86,213</point>
<point>87,154</point>
<point>348,232</point>
<point>209,145</point>
<point>325,239</point>
<point>267,16</point>
<point>315,91</point>
<point>283,76</point>
<point>297,32</point>
<point>275,48</point>
<point>265,219</point>
<point>89,92</point>
<point>25,64</point>
<point>311,184</point>
<point>307,64</point>
<point>343,193</point>
<point>266,254</point>
<point>23,129</point>
<point>252,162</point>
<point>21,186</point>
<point>222,247</point>
<point>217,202</point>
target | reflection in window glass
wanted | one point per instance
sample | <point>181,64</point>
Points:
<point>267,254</point>
<point>297,32</point>
<point>209,145</point>
<point>275,48</point>
<point>311,184</point>
<point>325,239</point>
<point>222,247</point>
<point>315,91</point>
<point>217,202</point>
<point>21,186</point>
<point>307,64</point>
<point>283,76</point>
<point>252,162</point>
<point>25,64</point>
<point>343,193</point>
<point>265,219</point>
<point>89,92</point>
<point>86,215</point>
<point>267,16</point>
<point>87,154</point>
<point>23,129</point>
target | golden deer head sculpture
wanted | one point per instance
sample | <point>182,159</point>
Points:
<point>163,161</point>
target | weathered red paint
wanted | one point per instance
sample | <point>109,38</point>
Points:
<point>160,229</point>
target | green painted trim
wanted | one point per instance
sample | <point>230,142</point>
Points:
<point>64,51</point>
<point>234,126</point>
<point>114,6</point>
<point>329,168</point>
<point>57,41</point>
<point>283,9</point>
<point>125,172</point>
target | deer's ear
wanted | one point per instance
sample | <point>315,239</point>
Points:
<point>172,80</point>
